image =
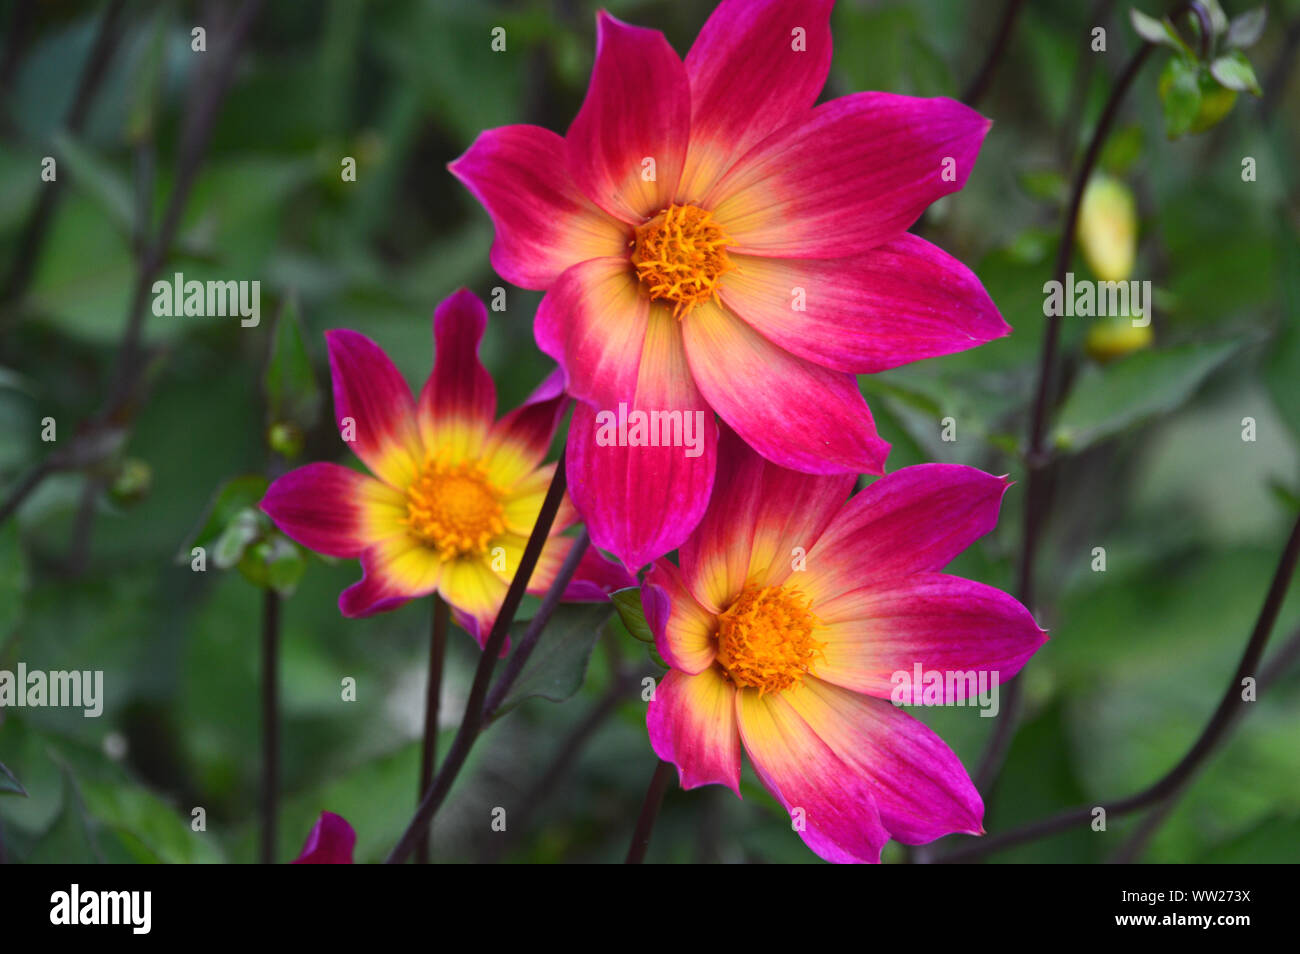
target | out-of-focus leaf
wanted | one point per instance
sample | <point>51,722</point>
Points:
<point>1180,91</point>
<point>150,830</point>
<point>1047,184</point>
<point>1122,149</point>
<point>13,577</point>
<point>628,604</point>
<point>97,179</point>
<point>558,665</point>
<point>1159,32</point>
<point>1235,72</point>
<point>292,394</point>
<point>1246,29</point>
<point>9,785</point>
<point>1282,367</point>
<point>234,496</point>
<point>1108,400</point>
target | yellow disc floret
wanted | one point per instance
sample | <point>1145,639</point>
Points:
<point>679,256</point>
<point>453,509</point>
<point>765,639</point>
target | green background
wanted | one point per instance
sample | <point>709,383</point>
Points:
<point>1192,517</point>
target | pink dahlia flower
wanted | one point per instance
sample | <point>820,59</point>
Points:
<point>711,241</point>
<point>454,494</point>
<point>787,626</point>
<point>330,842</point>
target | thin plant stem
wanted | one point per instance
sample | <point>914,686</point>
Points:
<point>432,703</point>
<point>1037,459</point>
<point>645,823</point>
<point>472,721</point>
<point>1230,706</point>
<point>980,84</point>
<point>270,721</point>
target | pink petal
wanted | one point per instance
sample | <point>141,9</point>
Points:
<point>518,442</point>
<point>393,571</point>
<point>795,413</point>
<point>918,785</point>
<point>459,400</point>
<point>914,520</point>
<point>749,77</point>
<point>857,173</point>
<point>638,107</point>
<point>371,393</point>
<point>683,629</point>
<point>638,502</point>
<point>938,622</point>
<point>330,842</point>
<point>334,510</point>
<point>761,519</point>
<point>543,222</point>
<point>692,723</point>
<point>904,301</point>
<point>593,323</point>
<point>832,805</point>
<point>596,578</point>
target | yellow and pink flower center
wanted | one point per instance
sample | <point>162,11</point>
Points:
<point>680,255</point>
<point>454,509</point>
<point>765,639</point>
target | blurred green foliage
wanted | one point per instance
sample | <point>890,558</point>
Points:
<point>1192,517</point>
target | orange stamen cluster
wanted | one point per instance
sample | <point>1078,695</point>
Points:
<point>765,639</point>
<point>680,255</point>
<point>453,508</point>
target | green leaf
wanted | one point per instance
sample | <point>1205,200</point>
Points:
<point>627,602</point>
<point>1180,92</point>
<point>1123,148</point>
<point>13,577</point>
<point>98,179</point>
<point>1218,19</point>
<point>235,538</point>
<point>558,665</point>
<point>1282,366</point>
<point>1159,32</point>
<point>1246,29</point>
<point>1234,72</point>
<point>9,784</point>
<point>1108,400</point>
<point>292,394</point>
<point>232,497</point>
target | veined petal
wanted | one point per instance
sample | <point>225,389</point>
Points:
<point>755,66</point>
<point>543,222</point>
<point>593,323</point>
<point>918,785</point>
<point>638,108</point>
<point>642,500</point>
<point>393,571</point>
<point>370,393</point>
<point>795,413</point>
<point>901,302</point>
<point>933,621</point>
<point>519,441</point>
<point>760,517</point>
<point>683,629</point>
<point>334,510</point>
<point>831,803</point>
<point>855,174</point>
<point>459,400</point>
<point>692,723</point>
<point>914,520</point>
